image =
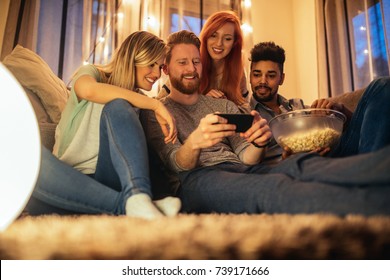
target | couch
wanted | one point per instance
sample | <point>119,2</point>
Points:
<point>212,236</point>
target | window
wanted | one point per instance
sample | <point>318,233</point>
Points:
<point>369,33</point>
<point>188,14</point>
<point>188,22</point>
<point>60,39</point>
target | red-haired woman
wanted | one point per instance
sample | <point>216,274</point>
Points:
<point>221,45</point>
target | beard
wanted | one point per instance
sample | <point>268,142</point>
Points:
<point>190,88</point>
<point>263,98</point>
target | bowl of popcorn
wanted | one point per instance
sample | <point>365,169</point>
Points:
<point>307,129</point>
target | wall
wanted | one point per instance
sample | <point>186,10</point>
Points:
<point>291,24</point>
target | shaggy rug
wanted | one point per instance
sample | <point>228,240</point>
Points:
<point>197,237</point>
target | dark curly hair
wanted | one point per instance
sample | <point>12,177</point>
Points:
<point>268,51</point>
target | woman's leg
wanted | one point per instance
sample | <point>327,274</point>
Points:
<point>62,189</point>
<point>369,128</point>
<point>123,158</point>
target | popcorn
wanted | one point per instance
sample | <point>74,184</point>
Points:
<point>316,138</point>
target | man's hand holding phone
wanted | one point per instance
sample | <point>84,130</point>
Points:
<point>259,134</point>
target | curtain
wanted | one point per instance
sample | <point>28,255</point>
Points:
<point>98,31</point>
<point>323,74</point>
<point>21,26</point>
<point>334,51</point>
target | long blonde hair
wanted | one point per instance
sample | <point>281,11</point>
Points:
<point>140,48</point>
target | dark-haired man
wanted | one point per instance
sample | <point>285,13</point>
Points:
<point>267,74</point>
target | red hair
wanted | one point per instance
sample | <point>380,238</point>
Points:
<point>233,69</point>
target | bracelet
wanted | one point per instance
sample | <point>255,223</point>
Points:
<point>260,146</point>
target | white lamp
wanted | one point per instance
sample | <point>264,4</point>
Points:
<point>20,148</point>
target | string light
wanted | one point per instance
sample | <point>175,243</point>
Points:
<point>247,3</point>
<point>151,23</point>
<point>246,28</point>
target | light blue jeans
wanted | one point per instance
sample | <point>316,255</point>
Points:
<point>356,179</point>
<point>122,170</point>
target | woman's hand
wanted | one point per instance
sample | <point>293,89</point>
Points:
<point>216,94</point>
<point>327,104</point>
<point>167,122</point>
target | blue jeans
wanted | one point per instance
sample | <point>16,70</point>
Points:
<point>122,170</point>
<point>305,183</point>
<point>369,127</point>
<point>355,179</point>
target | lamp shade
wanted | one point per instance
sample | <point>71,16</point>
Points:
<point>20,148</point>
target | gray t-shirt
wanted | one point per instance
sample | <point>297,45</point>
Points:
<point>187,120</point>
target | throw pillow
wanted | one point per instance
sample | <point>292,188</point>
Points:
<point>34,73</point>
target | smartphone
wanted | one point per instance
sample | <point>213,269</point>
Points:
<point>242,121</point>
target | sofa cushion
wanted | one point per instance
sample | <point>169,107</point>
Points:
<point>47,132</point>
<point>46,127</point>
<point>40,111</point>
<point>34,74</point>
<point>349,99</point>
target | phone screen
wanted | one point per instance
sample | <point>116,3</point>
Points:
<point>242,121</point>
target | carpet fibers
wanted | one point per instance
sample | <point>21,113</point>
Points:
<point>197,237</point>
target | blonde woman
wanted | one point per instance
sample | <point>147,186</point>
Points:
<point>100,135</point>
